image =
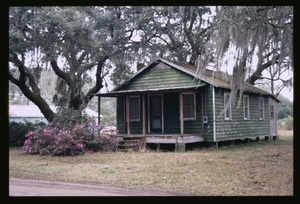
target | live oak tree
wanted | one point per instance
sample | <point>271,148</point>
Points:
<point>178,33</point>
<point>74,40</point>
<point>20,43</point>
<point>266,31</point>
<point>70,40</point>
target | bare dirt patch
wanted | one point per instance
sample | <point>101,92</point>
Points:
<point>26,187</point>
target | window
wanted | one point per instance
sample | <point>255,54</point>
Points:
<point>227,107</point>
<point>261,108</point>
<point>246,107</point>
<point>134,108</point>
<point>272,112</point>
<point>189,106</point>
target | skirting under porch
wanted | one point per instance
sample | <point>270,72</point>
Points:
<point>166,138</point>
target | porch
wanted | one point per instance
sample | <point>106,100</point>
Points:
<point>169,116</point>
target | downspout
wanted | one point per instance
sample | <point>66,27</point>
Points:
<point>205,99</point>
<point>214,116</point>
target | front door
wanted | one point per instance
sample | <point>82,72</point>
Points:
<point>155,114</point>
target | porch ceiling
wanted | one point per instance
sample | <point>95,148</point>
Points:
<point>125,92</point>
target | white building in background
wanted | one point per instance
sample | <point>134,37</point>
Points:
<point>31,113</point>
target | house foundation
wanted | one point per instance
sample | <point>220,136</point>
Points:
<point>180,147</point>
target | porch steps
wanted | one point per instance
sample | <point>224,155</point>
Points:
<point>133,144</point>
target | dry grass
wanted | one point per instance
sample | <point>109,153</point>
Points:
<point>264,168</point>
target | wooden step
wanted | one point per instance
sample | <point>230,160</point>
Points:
<point>132,140</point>
<point>127,145</point>
<point>130,144</point>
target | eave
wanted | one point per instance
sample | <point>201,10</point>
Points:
<point>161,90</point>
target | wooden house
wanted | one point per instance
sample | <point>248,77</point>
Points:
<point>164,102</point>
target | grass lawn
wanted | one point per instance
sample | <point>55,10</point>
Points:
<point>264,168</point>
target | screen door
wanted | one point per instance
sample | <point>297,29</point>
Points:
<point>155,114</point>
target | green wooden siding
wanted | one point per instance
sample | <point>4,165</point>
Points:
<point>237,127</point>
<point>160,78</point>
<point>208,128</point>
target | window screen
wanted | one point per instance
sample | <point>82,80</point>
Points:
<point>189,106</point>
<point>134,108</point>
<point>246,107</point>
<point>261,108</point>
<point>227,110</point>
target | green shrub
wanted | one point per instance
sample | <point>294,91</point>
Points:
<point>17,132</point>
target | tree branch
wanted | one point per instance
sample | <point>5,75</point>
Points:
<point>60,73</point>
<point>131,33</point>
<point>81,58</point>
<point>14,80</point>
<point>86,67</point>
<point>257,74</point>
<point>163,40</point>
<point>32,83</point>
<point>18,63</point>
<point>34,96</point>
<point>99,80</point>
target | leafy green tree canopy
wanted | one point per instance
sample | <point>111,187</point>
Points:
<point>285,107</point>
<point>75,40</point>
<point>72,41</point>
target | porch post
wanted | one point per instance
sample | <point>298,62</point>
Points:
<point>181,113</point>
<point>127,115</point>
<point>144,115</point>
<point>99,109</point>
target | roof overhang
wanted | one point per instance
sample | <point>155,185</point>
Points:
<point>154,90</point>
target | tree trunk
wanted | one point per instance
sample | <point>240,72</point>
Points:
<point>39,102</point>
<point>75,101</point>
<point>36,99</point>
<point>34,94</point>
<point>193,59</point>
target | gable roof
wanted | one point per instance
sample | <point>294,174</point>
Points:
<point>215,78</point>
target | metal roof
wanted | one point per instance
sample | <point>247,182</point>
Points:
<point>32,111</point>
<point>28,111</point>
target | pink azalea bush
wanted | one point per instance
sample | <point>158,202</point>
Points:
<point>70,133</point>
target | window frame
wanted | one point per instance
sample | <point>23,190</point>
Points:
<point>261,108</point>
<point>272,116</point>
<point>227,109</point>
<point>138,108</point>
<point>246,108</point>
<point>189,106</point>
